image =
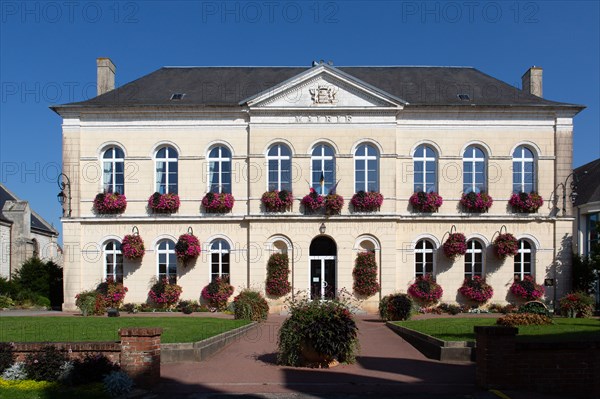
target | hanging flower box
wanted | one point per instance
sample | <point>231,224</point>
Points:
<point>334,203</point>
<point>365,274</point>
<point>426,202</point>
<point>164,294</point>
<point>526,202</point>
<point>476,202</point>
<point>110,203</point>
<point>278,270</point>
<point>366,201</point>
<point>218,202</point>
<point>527,289</point>
<point>277,201</point>
<point>164,203</point>
<point>313,202</point>
<point>426,290</point>
<point>455,245</point>
<point>476,289</point>
<point>132,247</point>
<point>505,245</point>
<point>187,247</point>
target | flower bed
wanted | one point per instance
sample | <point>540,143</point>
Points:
<point>277,284</point>
<point>217,292</point>
<point>365,274</point>
<point>334,204</point>
<point>313,202</point>
<point>277,201</point>
<point>505,245</point>
<point>163,203</point>
<point>527,289</point>
<point>218,203</point>
<point>164,294</point>
<point>132,247</point>
<point>526,202</point>
<point>110,203</point>
<point>476,289</point>
<point>426,290</point>
<point>455,245</point>
<point>364,201</point>
<point>187,247</point>
<point>476,202</point>
<point>426,202</point>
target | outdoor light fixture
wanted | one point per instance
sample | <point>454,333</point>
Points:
<point>322,228</point>
<point>64,196</point>
<point>135,231</point>
<point>573,187</point>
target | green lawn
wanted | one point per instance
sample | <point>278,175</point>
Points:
<point>462,329</point>
<point>73,329</point>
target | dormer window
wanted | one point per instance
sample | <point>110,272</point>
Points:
<point>177,96</point>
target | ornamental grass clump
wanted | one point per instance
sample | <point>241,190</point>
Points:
<point>426,202</point>
<point>476,202</point>
<point>527,289</point>
<point>277,201</point>
<point>132,247</point>
<point>217,292</point>
<point>365,274</point>
<point>323,329</point>
<point>110,203</point>
<point>395,307</point>
<point>250,305</point>
<point>313,202</point>
<point>366,201</point>
<point>164,203</point>
<point>455,245</point>
<point>278,270</point>
<point>218,202</point>
<point>505,245</point>
<point>577,304</point>
<point>426,290</point>
<point>164,294</point>
<point>187,247</point>
<point>476,290</point>
<point>526,202</point>
<point>334,203</point>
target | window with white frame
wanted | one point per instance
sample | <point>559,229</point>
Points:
<point>113,261</point>
<point>279,162</point>
<point>166,170</point>
<point>523,260</point>
<point>366,168</point>
<point>167,261</point>
<point>474,259</point>
<point>322,169</point>
<point>219,170</point>
<point>424,251</point>
<point>219,258</point>
<point>593,234</point>
<point>113,170</point>
<point>523,170</point>
<point>474,176</point>
<point>425,169</point>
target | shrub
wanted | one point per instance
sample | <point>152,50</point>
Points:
<point>5,302</point>
<point>576,304</point>
<point>130,308</point>
<point>187,247</point>
<point>426,202</point>
<point>455,245</point>
<point>16,372</point>
<point>42,278</point>
<point>334,203</point>
<point>164,203</point>
<point>133,247</point>
<point>250,305</point>
<point>110,203</point>
<point>92,368</point>
<point>366,201</point>
<point>450,308</point>
<point>277,201</point>
<point>218,202</point>
<point>313,202</point>
<point>328,328</point>
<point>45,364</point>
<point>365,274</point>
<point>526,202</point>
<point>505,245</point>
<point>117,383</point>
<point>90,302</point>
<point>27,298</point>
<point>584,273</point>
<point>164,294</point>
<point>425,289</point>
<point>278,270</point>
<point>476,289</point>
<point>188,307</point>
<point>476,202</point>
<point>113,293</point>
<point>395,307</point>
<point>7,356</point>
<point>527,289</point>
<point>523,319</point>
<point>534,307</point>
<point>8,288</point>
<point>504,309</point>
<point>217,292</point>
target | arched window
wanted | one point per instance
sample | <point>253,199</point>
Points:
<point>322,168</point>
<point>474,179</point>
<point>166,170</point>
<point>523,170</point>
<point>219,170</point>
<point>219,259</point>
<point>474,259</point>
<point>279,160</point>
<point>167,261</point>
<point>424,258</point>
<point>113,170</point>
<point>113,261</point>
<point>366,168</point>
<point>523,260</point>
<point>425,169</point>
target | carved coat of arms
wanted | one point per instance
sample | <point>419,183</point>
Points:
<point>323,94</point>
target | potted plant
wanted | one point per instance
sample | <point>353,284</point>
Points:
<point>313,202</point>
<point>426,202</point>
<point>110,203</point>
<point>278,270</point>
<point>334,203</point>
<point>218,202</point>
<point>164,294</point>
<point>527,289</point>
<point>505,245</point>
<point>187,247</point>
<point>277,201</point>
<point>365,274</point>
<point>426,290</point>
<point>163,203</point>
<point>455,245</point>
<point>476,202</point>
<point>366,201</point>
<point>526,202</point>
<point>132,247</point>
<point>476,289</point>
<point>217,292</point>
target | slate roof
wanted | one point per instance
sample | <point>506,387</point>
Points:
<point>588,188</point>
<point>227,86</point>
<point>37,222</point>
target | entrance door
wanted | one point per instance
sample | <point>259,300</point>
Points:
<point>322,268</point>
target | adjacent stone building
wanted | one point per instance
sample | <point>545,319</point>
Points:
<point>248,130</point>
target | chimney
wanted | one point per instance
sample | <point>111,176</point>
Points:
<point>106,75</point>
<point>532,81</point>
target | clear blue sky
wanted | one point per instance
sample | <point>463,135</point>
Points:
<point>49,50</point>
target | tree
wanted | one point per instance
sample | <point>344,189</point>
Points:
<point>42,278</point>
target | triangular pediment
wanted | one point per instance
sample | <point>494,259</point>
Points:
<point>323,87</point>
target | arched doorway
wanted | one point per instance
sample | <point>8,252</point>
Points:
<point>322,255</point>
